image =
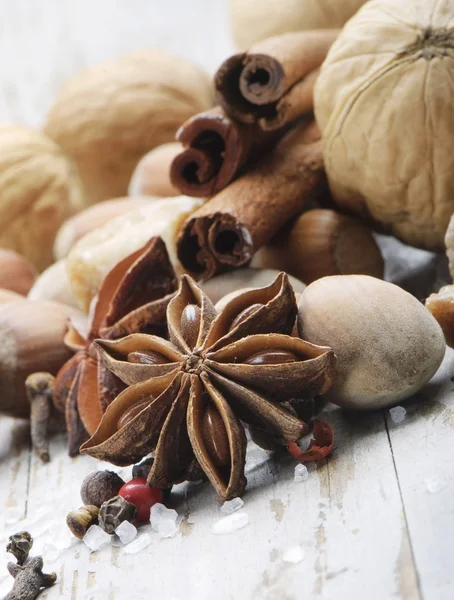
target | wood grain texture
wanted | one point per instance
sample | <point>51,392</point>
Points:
<point>365,522</point>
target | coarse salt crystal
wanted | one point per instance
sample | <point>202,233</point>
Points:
<point>397,414</point>
<point>96,538</point>
<point>301,473</point>
<point>293,555</point>
<point>140,543</point>
<point>232,523</point>
<point>163,520</point>
<point>232,506</point>
<point>126,531</point>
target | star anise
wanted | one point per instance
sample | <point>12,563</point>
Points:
<point>187,395</point>
<point>133,298</point>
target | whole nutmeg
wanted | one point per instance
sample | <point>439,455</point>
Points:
<point>97,252</point>
<point>110,116</point>
<point>16,273</point>
<point>220,286</point>
<point>100,486</point>
<point>39,190</point>
<point>151,177</point>
<point>322,242</point>
<point>79,521</point>
<point>386,343</point>
<point>91,218</point>
<point>53,285</point>
<point>113,512</point>
<point>31,340</point>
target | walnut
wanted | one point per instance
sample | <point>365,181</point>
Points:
<point>39,190</point>
<point>384,103</point>
<point>110,116</point>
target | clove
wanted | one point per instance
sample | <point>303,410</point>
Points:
<point>29,579</point>
<point>39,388</point>
<point>19,545</point>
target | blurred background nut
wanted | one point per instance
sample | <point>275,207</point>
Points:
<point>110,116</point>
<point>323,242</point>
<point>97,252</point>
<point>91,218</point>
<point>151,177</point>
<point>31,340</point>
<point>256,20</point>
<point>16,273</point>
<point>39,190</point>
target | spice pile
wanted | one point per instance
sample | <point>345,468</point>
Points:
<point>151,339</point>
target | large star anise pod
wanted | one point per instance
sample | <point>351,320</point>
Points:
<point>133,298</point>
<point>188,396</point>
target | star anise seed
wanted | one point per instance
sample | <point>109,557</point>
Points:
<point>217,370</point>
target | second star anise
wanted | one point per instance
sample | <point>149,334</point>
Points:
<point>187,397</point>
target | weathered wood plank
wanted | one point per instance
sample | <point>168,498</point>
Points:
<point>423,449</point>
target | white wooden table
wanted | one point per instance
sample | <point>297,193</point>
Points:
<point>375,520</point>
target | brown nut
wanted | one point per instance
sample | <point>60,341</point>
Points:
<point>323,242</point>
<point>31,340</point>
<point>79,521</point>
<point>110,116</point>
<point>441,305</point>
<point>151,177</point>
<point>16,273</point>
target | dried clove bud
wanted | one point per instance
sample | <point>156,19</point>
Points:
<point>39,388</point>
<point>141,470</point>
<point>113,512</point>
<point>19,545</point>
<point>29,579</point>
<point>79,521</point>
<point>100,486</point>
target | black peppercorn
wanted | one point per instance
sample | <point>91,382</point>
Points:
<point>113,512</point>
<point>100,486</point>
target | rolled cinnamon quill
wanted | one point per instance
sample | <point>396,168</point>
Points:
<point>226,231</point>
<point>273,83</point>
<point>215,149</point>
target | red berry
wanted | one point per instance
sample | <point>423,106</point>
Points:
<point>142,496</point>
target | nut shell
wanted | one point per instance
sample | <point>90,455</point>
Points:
<point>99,487</point>
<point>31,340</point>
<point>16,273</point>
<point>386,343</point>
<point>151,177</point>
<point>323,242</point>
<point>39,190</point>
<point>441,306</point>
<point>110,116</point>
<point>386,118</point>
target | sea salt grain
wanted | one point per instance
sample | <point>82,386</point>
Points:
<point>140,543</point>
<point>301,473</point>
<point>435,485</point>
<point>293,555</point>
<point>397,414</point>
<point>163,520</point>
<point>126,532</point>
<point>232,506</point>
<point>232,523</point>
<point>96,538</point>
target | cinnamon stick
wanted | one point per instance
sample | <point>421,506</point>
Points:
<point>215,149</point>
<point>273,83</point>
<point>228,229</point>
